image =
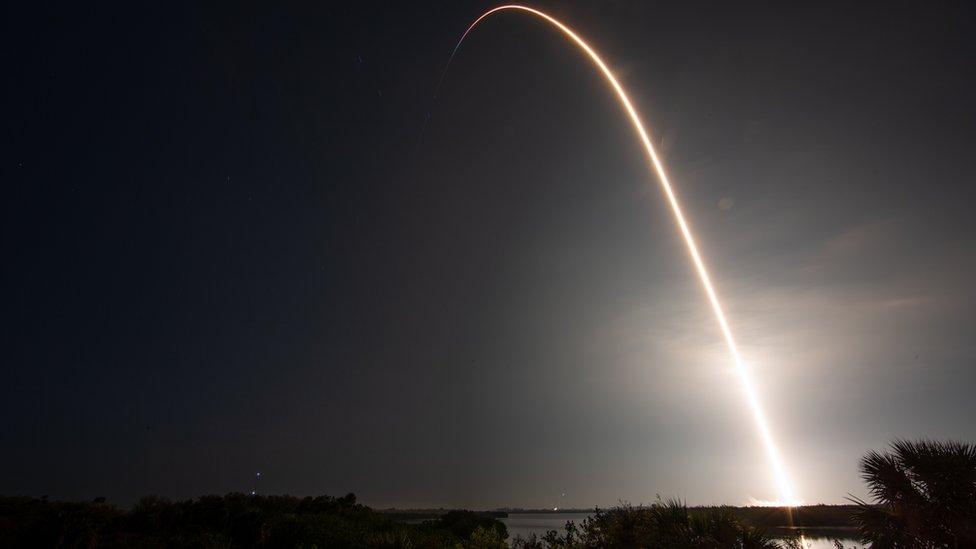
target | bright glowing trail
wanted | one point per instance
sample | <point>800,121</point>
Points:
<point>786,494</point>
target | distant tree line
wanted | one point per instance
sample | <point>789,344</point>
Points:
<point>805,516</point>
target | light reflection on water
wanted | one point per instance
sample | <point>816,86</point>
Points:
<point>828,543</point>
<point>525,524</point>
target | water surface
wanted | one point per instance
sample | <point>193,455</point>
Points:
<point>525,524</point>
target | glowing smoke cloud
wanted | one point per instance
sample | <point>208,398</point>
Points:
<point>786,494</point>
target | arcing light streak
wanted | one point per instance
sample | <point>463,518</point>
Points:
<point>786,494</point>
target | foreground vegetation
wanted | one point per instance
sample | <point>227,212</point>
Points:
<point>234,520</point>
<point>924,497</point>
<point>664,524</point>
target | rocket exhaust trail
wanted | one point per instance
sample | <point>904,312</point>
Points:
<point>783,484</point>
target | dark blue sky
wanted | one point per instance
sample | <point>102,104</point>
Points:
<point>227,248</point>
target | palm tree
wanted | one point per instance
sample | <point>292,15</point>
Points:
<point>924,495</point>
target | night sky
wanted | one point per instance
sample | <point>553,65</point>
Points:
<point>231,244</point>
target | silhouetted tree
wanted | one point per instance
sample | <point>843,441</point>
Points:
<point>924,496</point>
<point>463,524</point>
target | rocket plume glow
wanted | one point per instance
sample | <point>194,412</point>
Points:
<point>786,494</point>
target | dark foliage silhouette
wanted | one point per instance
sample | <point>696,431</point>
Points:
<point>924,496</point>
<point>234,520</point>
<point>667,523</point>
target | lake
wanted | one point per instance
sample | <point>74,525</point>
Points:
<point>524,524</point>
